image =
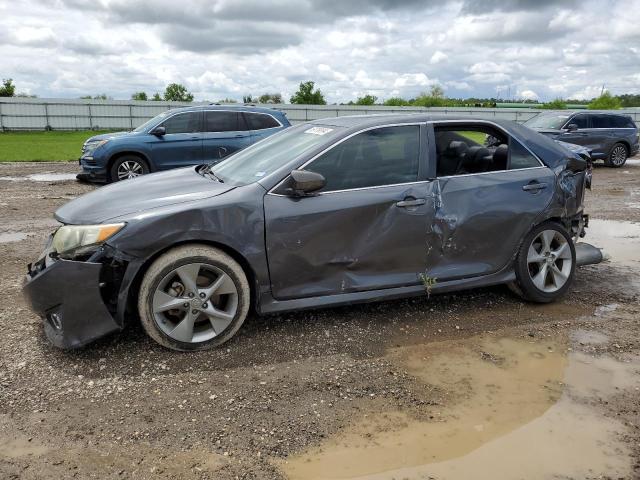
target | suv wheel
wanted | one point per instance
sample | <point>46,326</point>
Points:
<point>127,167</point>
<point>617,156</point>
<point>545,264</point>
<point>193,297</point>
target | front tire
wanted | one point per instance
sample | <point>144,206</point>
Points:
<point>617,156</point>
<point>193,297</point>
<point>128,167</point>
<point>545,264</point>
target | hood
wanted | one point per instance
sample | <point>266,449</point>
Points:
<point>579,149</point>
<point>140,194</point>
<point>549,132</point>
<point>106,136</point>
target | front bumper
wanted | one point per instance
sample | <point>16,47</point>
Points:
<point>66,294</point>
<point>91,171</point>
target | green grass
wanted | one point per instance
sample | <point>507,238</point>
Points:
<point>42,146</point>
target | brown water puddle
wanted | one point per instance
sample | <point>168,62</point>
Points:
<point>520,413</point>
<point>620,240</point>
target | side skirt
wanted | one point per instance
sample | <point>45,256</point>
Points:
<point>268,304</point>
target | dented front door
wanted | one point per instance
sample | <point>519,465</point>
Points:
<point>347,241</point>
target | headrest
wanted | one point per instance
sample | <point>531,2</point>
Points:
<point>457,148</point>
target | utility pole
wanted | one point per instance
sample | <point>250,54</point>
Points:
<point>602,91</point>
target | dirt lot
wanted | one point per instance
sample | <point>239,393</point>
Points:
<point>472,385</point>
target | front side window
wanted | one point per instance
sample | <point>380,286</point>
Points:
<point>383,156</point>
<point>260,121</point>
<point>221,121</point>
<point>475,149</point>
<point>183,123</point>
<point>581,121</point>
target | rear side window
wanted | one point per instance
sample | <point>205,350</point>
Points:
<point>582,121</point>
<point>260,121</point>
<point>383,156</point>
<point>601,121</point>
<point>478,149</point>
<point>618,121</point>
<point>183,123</point>
<point>219,121</point>
<point>520,157</point>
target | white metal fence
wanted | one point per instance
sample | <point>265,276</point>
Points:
<point>75,114</point>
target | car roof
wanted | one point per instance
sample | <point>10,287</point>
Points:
<point>240,108</point>
<point>372,120</point>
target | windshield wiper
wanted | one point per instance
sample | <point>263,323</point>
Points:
<point>206,170</point>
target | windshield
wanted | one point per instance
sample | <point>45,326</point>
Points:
<point>547,121</point>
<point>148,123</point>
<point>267,156</point>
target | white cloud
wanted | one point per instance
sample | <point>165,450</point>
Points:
<point>438,57</point>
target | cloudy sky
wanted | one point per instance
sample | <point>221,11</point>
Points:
<point>229,48</point>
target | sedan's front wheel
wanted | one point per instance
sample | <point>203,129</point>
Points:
<point>545,264</point>
<point>193,297</point>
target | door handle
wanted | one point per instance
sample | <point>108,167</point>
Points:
<point>413,202</point>
<point>534,186</point>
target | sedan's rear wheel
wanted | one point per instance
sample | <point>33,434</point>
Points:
<point>193,297</point>
<point>617,156</point>
<point>545,264</point>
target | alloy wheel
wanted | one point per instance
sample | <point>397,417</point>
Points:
<point>549,261</point>
<point>129,169</point>
<point>618,155</point>
<point>195,302</point>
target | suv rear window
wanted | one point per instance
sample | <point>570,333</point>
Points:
<point>601,121</point>
<point>221,121</point>
<point>260,121</point>
<point>619,121</point>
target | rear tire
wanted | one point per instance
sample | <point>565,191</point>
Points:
<point>194,297</point>
<point>617,156</point>
<point>545,264</point>
<point>127,167</point>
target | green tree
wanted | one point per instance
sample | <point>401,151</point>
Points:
<point>605,102</point>
<point>101,96</point>
<point>177,93</point>
<point>247,99</point>
<point>227,100</point>
<point>367,100</point>
<point>629,100</point>
<point>270,98</point>
<point>396,102</point>
<point>8,89</point>
<point>557,104</point>
<point>437,91</point>
<point>139,96</point>
<point>156,97</point>
<point>307,96</point>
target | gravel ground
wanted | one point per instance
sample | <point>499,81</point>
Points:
<point>125,408</point>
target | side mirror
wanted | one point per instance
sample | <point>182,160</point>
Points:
<point>304,182</point>
<point>158,131</point>
<point>572,127</point>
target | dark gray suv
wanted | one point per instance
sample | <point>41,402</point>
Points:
<point>612,137</point>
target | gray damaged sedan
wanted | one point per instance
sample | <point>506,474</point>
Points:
<point>332,212</point>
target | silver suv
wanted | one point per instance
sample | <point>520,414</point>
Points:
<point>612,137</point>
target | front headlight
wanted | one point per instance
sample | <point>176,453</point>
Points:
<point>91,147</point>
<point>70,240</point>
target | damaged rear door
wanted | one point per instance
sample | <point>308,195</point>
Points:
<point>366,229</point>
<point>490,190</point>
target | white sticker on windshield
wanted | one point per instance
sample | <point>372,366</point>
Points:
<point>319,130</point>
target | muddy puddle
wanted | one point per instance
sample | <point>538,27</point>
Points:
<point>42,177</point>
<point>620,240</point>
<point>519,409</point>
